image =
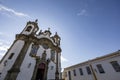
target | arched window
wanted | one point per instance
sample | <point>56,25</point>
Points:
<point>29,28</point>
<point>52,55</point>
<point>34,49</point>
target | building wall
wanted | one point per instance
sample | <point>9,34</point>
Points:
<point>85,75</point>
<point>51,71</point>
<point>29,54</point>
<point>108,74</point>
<point>27,72</point>
<point>16,48</point>
<point>27,67</point>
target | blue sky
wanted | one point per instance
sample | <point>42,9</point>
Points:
<point>88,28</point>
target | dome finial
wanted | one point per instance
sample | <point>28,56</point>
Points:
<point>36,20</point>
<point>48,29</point>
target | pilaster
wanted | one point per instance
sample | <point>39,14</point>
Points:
<point>13,72</point>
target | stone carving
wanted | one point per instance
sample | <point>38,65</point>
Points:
<point>44,56</point>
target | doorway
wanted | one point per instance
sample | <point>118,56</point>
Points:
<point>40,72</point>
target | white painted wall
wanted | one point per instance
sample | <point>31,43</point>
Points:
<point>16,48</point>
<point>51,72</point>
<point>25,71</point>
<point>85,75</point>
<point>110,73</point>
<point>41,51</point>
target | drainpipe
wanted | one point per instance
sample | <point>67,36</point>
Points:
<point>94,75</point>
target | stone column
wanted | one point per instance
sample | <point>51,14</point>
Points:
<point>57,73</point>
<point>13,72</point>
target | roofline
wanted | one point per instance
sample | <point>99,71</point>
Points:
<point>97,58</point>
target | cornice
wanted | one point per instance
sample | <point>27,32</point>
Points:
<point>39,41</point>
<point>108,56</point>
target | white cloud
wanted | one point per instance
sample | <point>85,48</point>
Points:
<point>1,55</point>
<point>1,33</point>
<point>3,47</point>
<point>4,44</point>
<point>5,35</point>
<point>0,43</point>
<point>9,11</point>
<point>63,59</point>
<point>83,12</point>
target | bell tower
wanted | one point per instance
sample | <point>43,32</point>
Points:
<point>32,56</point>
<point>31,28</point>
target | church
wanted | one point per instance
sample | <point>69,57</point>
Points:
<point>32,56</point>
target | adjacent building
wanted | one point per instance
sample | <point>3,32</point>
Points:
<point>32,56</point>
<point>102,68</point>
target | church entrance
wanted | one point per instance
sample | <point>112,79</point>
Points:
<point>40,72</point>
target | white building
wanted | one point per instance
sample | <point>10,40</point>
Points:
<point>32,56</point>
<point>102,68</point>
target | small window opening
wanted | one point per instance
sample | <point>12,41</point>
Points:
<point>116,66</point>
<point>29,65</point>
<point>10,57</point>
<point>81,71</point>
<point>74,72</point>
<point>52,67</point>
<point>88,70</point>
<point>100,68</point>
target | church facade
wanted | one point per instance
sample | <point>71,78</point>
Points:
<point>32,56</point>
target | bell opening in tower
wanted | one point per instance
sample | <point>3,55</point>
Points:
<point>40,72</point>
<point>29,28</point>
